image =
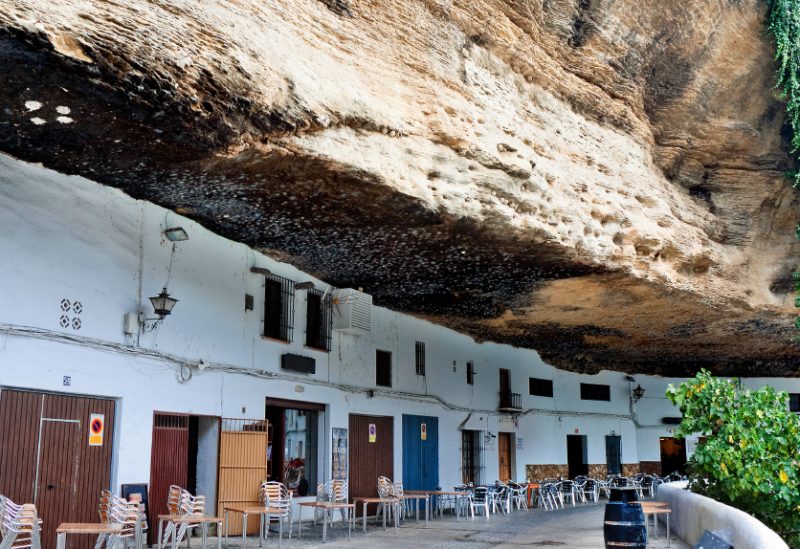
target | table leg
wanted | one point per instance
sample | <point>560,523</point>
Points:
<point>364,515</point>
<point>325,527</point>
<point>61,540</point>
<point>300,521</point>
<point>226,528</point>
<point>385,507</point>
<point>655,525</point>
<point>244,531</point>
<point>160,533</point>
<point>667,529</point>
<point>204,528</point>
<point>219,535</point>
<point>351,513</point>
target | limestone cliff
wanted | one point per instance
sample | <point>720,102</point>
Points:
<point>599,180</point>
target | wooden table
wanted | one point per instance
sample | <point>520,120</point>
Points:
<point>407,496</point>
<point>656,508</point>
<point>326,506</point>
<point>440,493</point>
<point>177,520</point>
<point>384,501</point>
<point>97,529</point>
<point>252,510</point>
<point>532,487</point>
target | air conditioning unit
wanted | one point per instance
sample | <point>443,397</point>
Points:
<point>352,311</point>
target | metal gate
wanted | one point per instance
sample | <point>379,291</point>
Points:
<point>169,461</point>
<point>46,459</point>
<point>243,454</point>
<point>420,452</point>
<point>371,453</point>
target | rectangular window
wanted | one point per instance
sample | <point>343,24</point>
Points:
<point>794,402</point>
<point>471,457</point>
<point>318,320</point>
<point>470,373</point>
<point>540,387</point>
<point>278,307</point>
<point>419,353</point>
<point>591,391</point>
<point>383,368</point>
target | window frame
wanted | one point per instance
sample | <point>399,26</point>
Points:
<point>280,310</point>
<point>544,386</point>
<point>419,358</point>
<point>319,337</point>
<point>379,364</point>
<point>596,391</point>
<point>794,402</point>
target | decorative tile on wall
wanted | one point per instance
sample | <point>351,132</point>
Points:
<point>70,314</point>
<point>539,472</point>
<point>598,470</point>
<point>650,467</point>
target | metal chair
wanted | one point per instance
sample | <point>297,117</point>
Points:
<point>20,527</point>
<point>276,497</point>
<point>479,499</point>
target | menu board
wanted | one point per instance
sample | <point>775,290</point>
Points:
<point>339,448</point>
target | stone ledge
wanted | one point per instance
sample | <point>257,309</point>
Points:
<point>693,513</point>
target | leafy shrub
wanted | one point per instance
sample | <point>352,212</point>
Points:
<point>749,456</point>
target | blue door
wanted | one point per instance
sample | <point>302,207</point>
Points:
<point>420,452</point>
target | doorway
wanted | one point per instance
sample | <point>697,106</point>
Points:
<point>420,452</point>
<point>577,462</point>
<point>48,458</point>
<point>505,389</point>
<point>673,455</point>
<point>371,453</point>
<point>184,453</point>
<point>504,456</point>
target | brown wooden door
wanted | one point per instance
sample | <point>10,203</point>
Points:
<point>46,459</point>
<point>369,460</point>
<point>504,456</point>
<point>169,461</point>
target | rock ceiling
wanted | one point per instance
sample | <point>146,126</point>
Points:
<point>599,180</point>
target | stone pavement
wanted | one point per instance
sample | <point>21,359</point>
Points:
<point>578,527</point>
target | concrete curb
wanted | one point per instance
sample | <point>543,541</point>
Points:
<point>693,513</point>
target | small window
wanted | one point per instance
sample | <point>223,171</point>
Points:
<point>794,402</point>
<point>318,321</point>
<point>591,391</point>
<point>278,307</point>
<point>383,368</point>
<point>419,353</point>
<point>470,373</point>
<point>540,387</point>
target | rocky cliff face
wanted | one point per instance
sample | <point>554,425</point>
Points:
<point>601,181</point>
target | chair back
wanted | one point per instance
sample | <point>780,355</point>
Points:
<point>276,496</point>
<point>479,494</point>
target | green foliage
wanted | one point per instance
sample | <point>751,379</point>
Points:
<point>750,455</point>
<point>784,23</point>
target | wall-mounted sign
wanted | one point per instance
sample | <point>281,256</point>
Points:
<point>423,432</point>
<point>339,453</point>
<point>577,430</point>
<point>97,425</point>
<point>372,432</point>
<point>520,443</point>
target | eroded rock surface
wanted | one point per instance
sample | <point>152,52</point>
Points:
<point>601,181</point>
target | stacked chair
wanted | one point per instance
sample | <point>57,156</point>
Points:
<point>276,497</point>
<point>182,502</point>
<point>115,510</point>
<point>20,527</point>
<point>333,491</point>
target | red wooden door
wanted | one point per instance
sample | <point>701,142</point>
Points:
<point>169,460</point>
<point>46,459</point>
<point>369,460</point>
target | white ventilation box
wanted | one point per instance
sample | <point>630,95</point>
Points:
<point>352,311</point>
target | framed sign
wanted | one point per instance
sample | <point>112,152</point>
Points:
<point>339,449</point>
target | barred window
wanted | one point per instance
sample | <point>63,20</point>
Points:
<point>278,307</point>
<point>419,353</point>
<point>794,402</point>
<point>318,320</point>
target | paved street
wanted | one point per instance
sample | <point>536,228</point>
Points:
<point>580,527</point>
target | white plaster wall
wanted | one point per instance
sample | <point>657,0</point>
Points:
<point>67,237</point>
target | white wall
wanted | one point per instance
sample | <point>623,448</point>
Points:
<point>69,238</point>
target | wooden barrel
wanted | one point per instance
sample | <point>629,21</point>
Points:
<point>624,520</point>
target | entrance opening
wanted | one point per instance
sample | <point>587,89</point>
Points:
<point>614,454</point>
<point>293,455</point>
<point>673,455</point>
<point>504,456</point>
<point>471,457</point>
<point>577,459</point>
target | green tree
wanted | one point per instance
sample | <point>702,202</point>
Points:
<point>748,457</point>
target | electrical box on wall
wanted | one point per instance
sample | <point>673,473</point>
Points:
<point>130,324</point>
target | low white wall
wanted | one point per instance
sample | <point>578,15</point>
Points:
<point>692,514</point>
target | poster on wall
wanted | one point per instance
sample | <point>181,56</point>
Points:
<point>372,432</point>
<point>339,448</point>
